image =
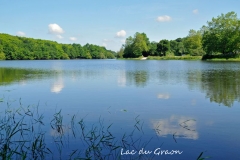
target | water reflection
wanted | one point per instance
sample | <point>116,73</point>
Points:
<point>122,79</point>
<point>220,83</point>
<point>57,86</point>
<point>179,126</point>
<point>163,96</point>
<point>139,78</point>
<point>13,75</point>
<point>220,86</point>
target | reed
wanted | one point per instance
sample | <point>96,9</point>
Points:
<point>23,135</point>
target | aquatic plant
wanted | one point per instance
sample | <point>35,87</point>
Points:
<point>23,135</point>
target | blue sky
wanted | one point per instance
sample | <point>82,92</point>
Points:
<point>108,22</point>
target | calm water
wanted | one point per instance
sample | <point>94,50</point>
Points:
<point>190,106</point>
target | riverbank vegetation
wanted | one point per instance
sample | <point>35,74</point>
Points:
<point>22,48</point>
<point>174,57</point>
<point>25,134</point>
<point>219,39</point>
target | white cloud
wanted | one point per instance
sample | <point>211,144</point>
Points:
<point>59,36</point>
<point>55,29</point>
<point>72,38</point>
<point>105,40</point>
<point>195,11</point>
<point>121,33</point>
<point>104,44</point>
<point>20,33</point>
<point>164,18</point>
<point>123,40</point>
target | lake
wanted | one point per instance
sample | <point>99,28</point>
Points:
<point>186,106</point>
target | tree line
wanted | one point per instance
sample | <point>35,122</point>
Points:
<point>22,48</point>
<point>220,37</point>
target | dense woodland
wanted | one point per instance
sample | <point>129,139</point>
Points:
<point>219,38</point>
<point>140,45</point>
<point>22,48</point>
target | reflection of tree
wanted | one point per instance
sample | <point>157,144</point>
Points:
<point>138,77</point>
<point>11,75</point>
<point>221,86</point>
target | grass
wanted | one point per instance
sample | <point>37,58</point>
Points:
<point>139,58</point>
<point>174,57</point>
<point>165,58</point>
<point>22,136</point>
<point>222,57</point>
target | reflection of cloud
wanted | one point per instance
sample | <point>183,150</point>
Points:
<point>23,82</point>
<point>163,96</point>
<point>179,126</point>
<point>57,86</point>
<point>122,79</point>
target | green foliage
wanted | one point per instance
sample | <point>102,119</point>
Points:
<point>222,34</point>
<point>21,48</point>
<point>96,52</point>
<point>2,56</point>
<point>120,53</point>
<point>193,43</point>
<point>163,47</point>
<point>153,49</point>
<point>221,56</point>
<point>137,46</point>
<point>25,135</point>
<point>187,57</point>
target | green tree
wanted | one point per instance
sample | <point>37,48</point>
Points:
<point>222,34</point>
<point>136,46</point>
<point>14,47</point>
<point>163,47</point>
<point>180,49</point>
<point>153,49</point>
<point>193,43</point>
<point>120,53</point>
<point>139,45</point>
<point>2,55</point>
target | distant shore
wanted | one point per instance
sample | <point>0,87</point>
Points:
<point>165,58</point>
<point>183,58</point>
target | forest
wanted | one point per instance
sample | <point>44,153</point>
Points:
<point>22,48</point>
<point>220,38</point>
